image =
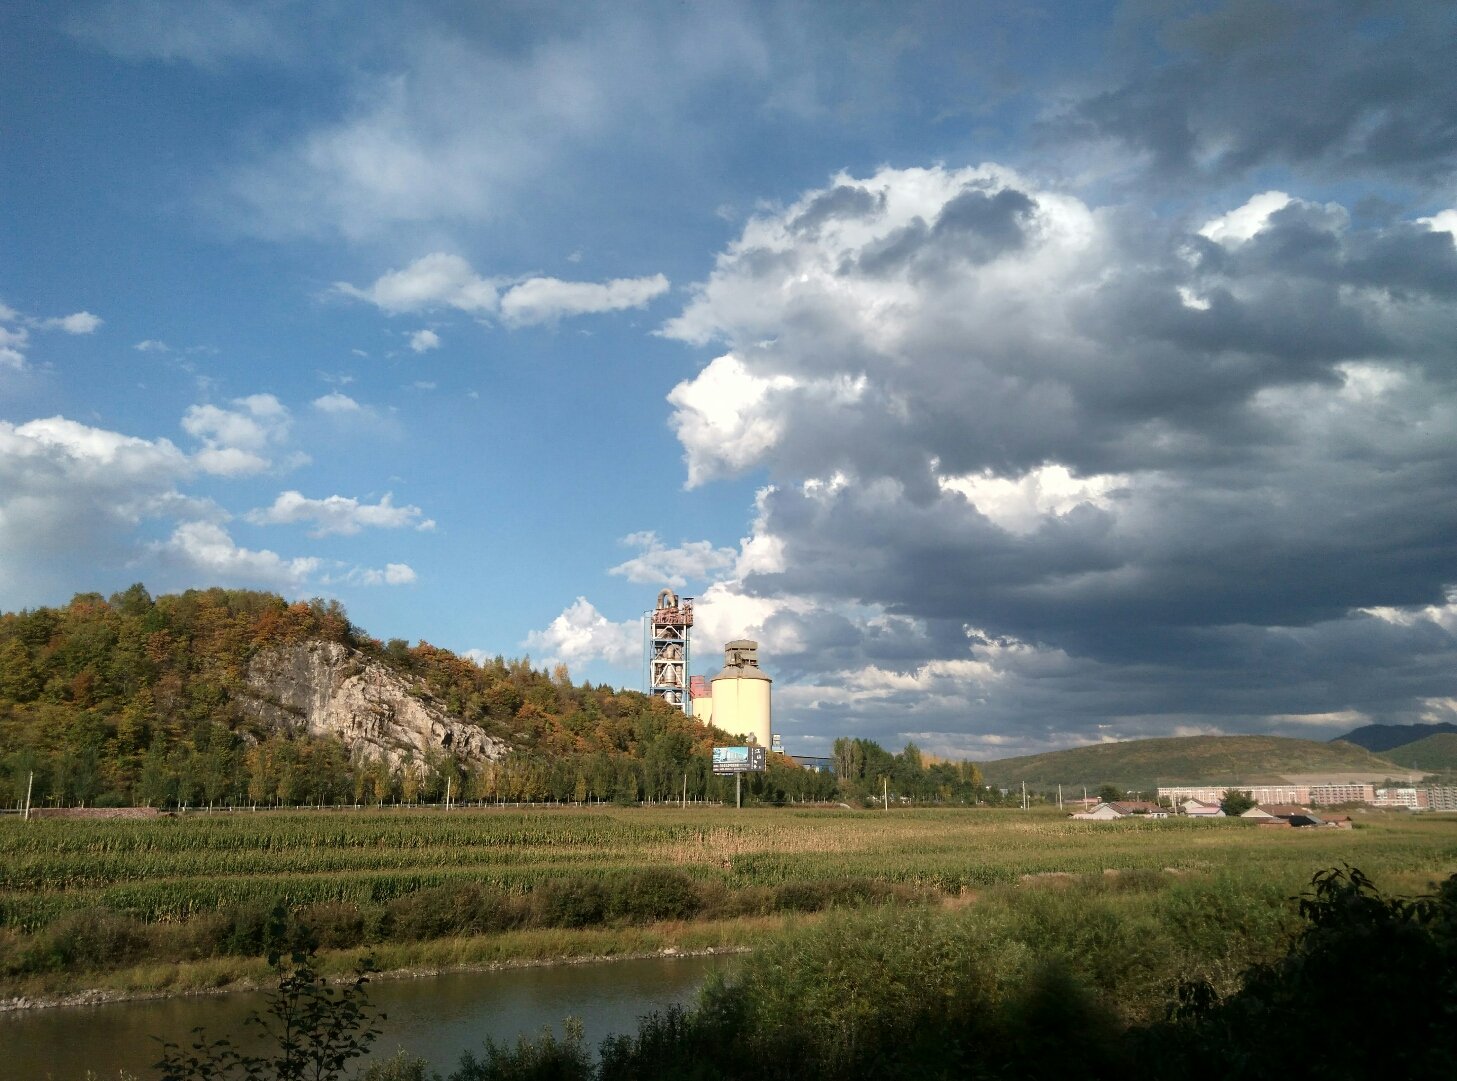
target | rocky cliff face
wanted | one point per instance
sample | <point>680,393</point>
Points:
<point>326,689</point>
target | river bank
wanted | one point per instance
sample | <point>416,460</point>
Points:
<point>401,961</point>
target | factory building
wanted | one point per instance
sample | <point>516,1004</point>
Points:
<point>740,694</point>
<point>737,700</point>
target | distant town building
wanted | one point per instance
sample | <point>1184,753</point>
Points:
<point>1107,812</point>
<point>1260,793</point>
<point>1412,799</point>
<point>1199,809</point>
<point>1442,797</point>
<point>1331,794</point>
<point>1283,814</point>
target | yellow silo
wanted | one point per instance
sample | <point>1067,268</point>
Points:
<point>741,694</point>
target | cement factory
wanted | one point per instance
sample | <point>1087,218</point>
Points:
<point>737,700</point>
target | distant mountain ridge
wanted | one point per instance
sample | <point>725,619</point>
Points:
<point>1143,764</point>
<point>1380,738</point>
<point>1435,754</point>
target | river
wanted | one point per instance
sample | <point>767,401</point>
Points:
<point>435,1017</point>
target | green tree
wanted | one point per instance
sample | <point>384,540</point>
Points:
<point>1235,802</point>
<point>18,679</point>
<point>1110,793</point>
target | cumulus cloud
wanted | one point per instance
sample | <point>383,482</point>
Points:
<point>1000,433</point>
<point>657,564</point>
<point>422,341</point>
<point>13,343</point>
<point>76,323</point>
<point>238,440</point>
<point>441,280</point>
<point>335,402</point>
<point>545,300</point>
<point>73,495</point>
<point>393,574</point>
<point>206,549</point>
<point>15,328</point>
<point>582,634</point>
<point>339,514</point>
<point>434,281</point>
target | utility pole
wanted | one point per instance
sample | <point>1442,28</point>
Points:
<point>1059,797</point>
<point>1024,795</point>
<point>738,791</point>
<point>885,791</point>
<point>28,785</point>
<point>684,804</point>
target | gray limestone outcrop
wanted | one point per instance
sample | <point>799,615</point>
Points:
<point>327,689</point>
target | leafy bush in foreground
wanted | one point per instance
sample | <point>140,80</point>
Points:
<point>1368,987</point>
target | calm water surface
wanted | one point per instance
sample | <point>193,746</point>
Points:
<point>435,1018</point>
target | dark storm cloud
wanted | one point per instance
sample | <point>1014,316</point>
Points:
<point>1256,429</point>
<point>838,202</point>
<point>975,226</point>
<point>1341,85</point>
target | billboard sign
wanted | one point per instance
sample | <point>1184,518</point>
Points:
<point>738,760</point>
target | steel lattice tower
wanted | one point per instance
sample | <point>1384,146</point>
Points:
<point>666,650</point>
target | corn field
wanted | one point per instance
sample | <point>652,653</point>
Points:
<point>173,869</point>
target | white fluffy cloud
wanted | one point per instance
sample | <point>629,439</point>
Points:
<point>13,343</point>
<point>205,552</point>
<point>337,403</point>
<point>394,574</point>
<point>422,341</point>
<point>657,564</point>
<point>72,495</point>
<point>206,549</point>
<point>15,328</point>
<point>434,281</point>
<point>76,323</point>
<point>582,634</point>
<point>77,496</point>
<point>441,280</point>
<point>239,440</point>
<point>1245,221</point>
<point>545,300</point>
<point>339,514</point>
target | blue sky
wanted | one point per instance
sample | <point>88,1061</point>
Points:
<point>1020,375</point>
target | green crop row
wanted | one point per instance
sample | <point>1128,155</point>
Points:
<point>166,870</point>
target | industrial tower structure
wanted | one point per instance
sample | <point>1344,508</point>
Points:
<point>666,650</point>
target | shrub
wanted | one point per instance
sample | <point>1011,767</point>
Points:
<point>334,925</point>
<point>569,902</point>
<point>655,895</point>
<point>91,938</point>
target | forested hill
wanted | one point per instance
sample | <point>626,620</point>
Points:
<point>1143,763</point>
<point>131,699</point>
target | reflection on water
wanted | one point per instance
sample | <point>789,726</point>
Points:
<point>435,1018</point>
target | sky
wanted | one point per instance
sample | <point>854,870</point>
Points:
<point>1020,375</point>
